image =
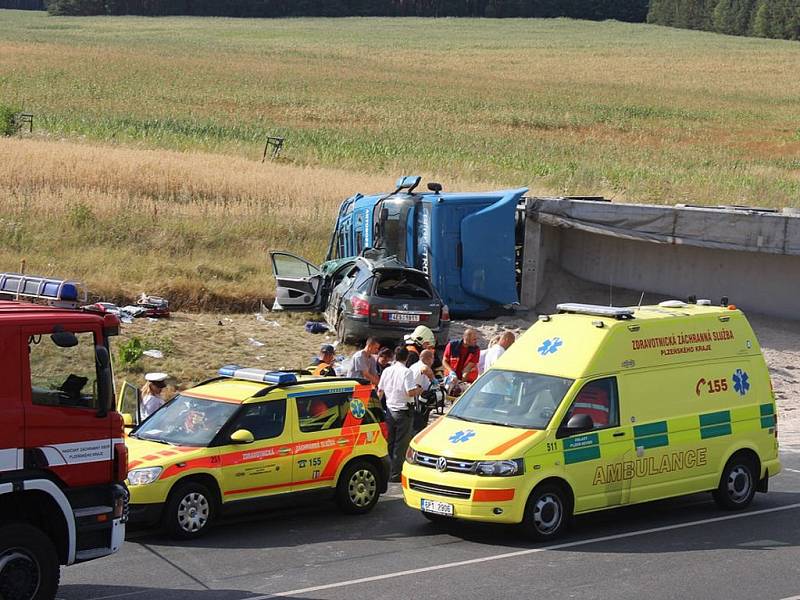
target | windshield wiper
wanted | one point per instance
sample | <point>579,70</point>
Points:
<point>460,418</point>
<point>157,440</point>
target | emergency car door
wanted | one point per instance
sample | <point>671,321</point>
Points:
<point>264,466</point>
<point>299,285</point>
<point>129,404</point>
<point>325,435</point>
<point>594,460</point>
<point>60,383</point>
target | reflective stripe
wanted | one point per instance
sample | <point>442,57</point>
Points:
<point>11,459</point>
<point>590,406</point>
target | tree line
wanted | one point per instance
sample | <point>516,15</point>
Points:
<point>622,10</point>
<point>761,18</point>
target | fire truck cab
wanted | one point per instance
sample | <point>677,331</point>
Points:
<point>62,457</point>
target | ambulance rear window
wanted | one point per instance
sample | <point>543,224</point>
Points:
<point>512,399</point>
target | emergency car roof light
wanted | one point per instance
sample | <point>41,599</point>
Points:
<point>259,375</point>
<point>595,310</point>
<point>58,292</point>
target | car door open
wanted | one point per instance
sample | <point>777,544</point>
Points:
<point>298,283</point>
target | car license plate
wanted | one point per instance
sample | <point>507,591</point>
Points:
<point>403,318</point>
<point>436,507</point>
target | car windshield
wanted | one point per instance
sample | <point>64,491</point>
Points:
<point>512,399</point>
<point>186,421</point>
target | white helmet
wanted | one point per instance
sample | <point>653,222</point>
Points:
<point>422,335</point>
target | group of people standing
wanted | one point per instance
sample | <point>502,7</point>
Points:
<point>403,375</point>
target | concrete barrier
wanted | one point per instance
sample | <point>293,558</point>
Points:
<point>751,257</point>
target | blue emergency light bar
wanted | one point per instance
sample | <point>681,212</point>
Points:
<point>259,375</point>
<point>56,291</point>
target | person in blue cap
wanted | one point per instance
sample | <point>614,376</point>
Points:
<point>322,365</point>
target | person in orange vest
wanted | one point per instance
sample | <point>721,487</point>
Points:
<point>322,365</point>
<point>461,357</point>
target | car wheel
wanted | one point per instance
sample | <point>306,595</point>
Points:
<point>547,513</point>
<point>190,510</point>
<point>737,485</point>
<point>29,568</point>
<point>357,490</point>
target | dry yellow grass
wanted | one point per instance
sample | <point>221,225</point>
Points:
<point>194,227</point>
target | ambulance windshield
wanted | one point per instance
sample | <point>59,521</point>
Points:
<point>186,421</point>
<point>512,399</point>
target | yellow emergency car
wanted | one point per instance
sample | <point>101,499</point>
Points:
<point>598,407</point>
<point>252,436</point>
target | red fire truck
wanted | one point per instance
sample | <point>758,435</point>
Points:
<point>62,457</point>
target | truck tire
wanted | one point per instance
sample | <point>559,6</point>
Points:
<point>190,510</point>
<point>738,482</point>
<point>357,489</point>
<point>547,513</point>
<point>29,568</point>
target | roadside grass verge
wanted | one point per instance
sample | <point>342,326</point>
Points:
<point>194,227</point>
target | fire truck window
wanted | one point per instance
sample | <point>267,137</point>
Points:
<point>63,376</point>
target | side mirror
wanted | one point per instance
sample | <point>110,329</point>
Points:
<point>105,384</point>
<point>242,436</point>
<point>577,424</point>
<point>127,420</point>
<point>64,339</point>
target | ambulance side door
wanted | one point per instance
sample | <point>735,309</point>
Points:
<point>324,437</point>
<point>594,459</point>
<point>262,467</point>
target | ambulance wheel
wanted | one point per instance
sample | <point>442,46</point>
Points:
<point>190,510</point>
<point>357,490</point>
<point>546,513</point>
<point>29,568</point>
<point>737,486</point>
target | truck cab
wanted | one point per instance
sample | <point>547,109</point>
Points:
<point>465,242</point>
<point>62,456</point>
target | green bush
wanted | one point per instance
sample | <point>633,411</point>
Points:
<point>7,124</point>
<point>130,352</point>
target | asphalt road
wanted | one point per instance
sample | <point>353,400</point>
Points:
<point>684,548</point>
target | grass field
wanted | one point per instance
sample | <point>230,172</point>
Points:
<point>158,186</point>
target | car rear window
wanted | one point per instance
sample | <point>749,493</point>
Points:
<point>398,283</point>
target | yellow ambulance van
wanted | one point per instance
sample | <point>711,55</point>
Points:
<point>598,407</point>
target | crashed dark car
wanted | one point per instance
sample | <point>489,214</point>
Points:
<point>362,297</point>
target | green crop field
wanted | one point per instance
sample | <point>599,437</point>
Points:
<point>635,112</point>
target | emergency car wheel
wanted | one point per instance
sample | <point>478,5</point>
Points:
<point>546,513</point>
<point>29,568</point>
<point>189,511</point>
<point>737,486</point>
<point>357,490</point>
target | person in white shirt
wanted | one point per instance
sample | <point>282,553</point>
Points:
<point>152,399</point>
<point>496,351</point>
<point>398,385</point>
<point>423,376</point>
